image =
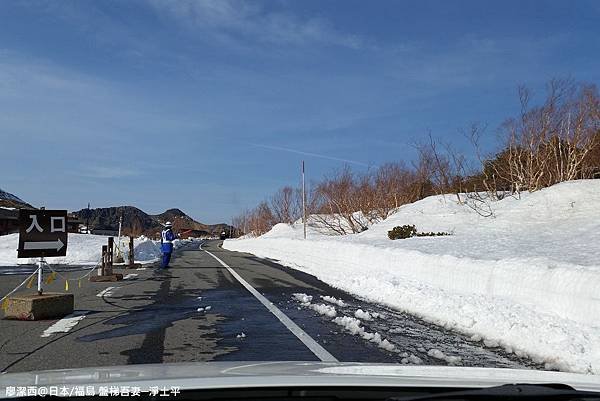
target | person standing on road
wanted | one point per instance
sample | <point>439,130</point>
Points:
<point>166,244</point>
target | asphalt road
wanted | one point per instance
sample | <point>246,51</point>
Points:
<point>200,310</point>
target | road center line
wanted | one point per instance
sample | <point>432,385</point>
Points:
<point>65,324</point>
<point>310,343</point>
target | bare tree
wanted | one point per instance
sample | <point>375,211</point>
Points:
<point>550,143</point>
<point>338,203</point>
<point>443,166</point>
<point>556,141</point>
<point>393,186</point>
<point>286,205</point>
<point>261,219</point>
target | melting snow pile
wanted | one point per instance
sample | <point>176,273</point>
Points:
<point>84,249</point>
<point>526,279</point>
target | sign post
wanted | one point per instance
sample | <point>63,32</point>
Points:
<point>42,234</point>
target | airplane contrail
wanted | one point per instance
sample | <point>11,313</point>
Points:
<point>299,152</point>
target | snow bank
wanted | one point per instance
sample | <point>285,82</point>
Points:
<point>84,249</point>
<point>526,279</point>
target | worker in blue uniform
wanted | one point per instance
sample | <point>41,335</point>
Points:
<point>166,244</point>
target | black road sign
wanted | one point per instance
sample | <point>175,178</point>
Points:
<point>42,233</point>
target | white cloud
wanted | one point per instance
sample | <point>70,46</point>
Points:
<point>311,154</point>
<point>107,172</point>
<point>230,19</point>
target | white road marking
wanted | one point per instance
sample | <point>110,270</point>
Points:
<point>107,292</point>
<point>310,343</point>
<point>141,268</point>
<point>129,276</point>
<point>65,324</point>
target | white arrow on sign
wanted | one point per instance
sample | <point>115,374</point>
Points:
<point>58,245</point>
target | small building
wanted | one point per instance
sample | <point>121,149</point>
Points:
<point>104,230</point>
<point>9,221</point>
<point>73,223</point>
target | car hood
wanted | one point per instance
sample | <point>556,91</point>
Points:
<point>219,375</point>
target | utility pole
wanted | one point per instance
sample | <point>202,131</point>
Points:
<point>303,200</point>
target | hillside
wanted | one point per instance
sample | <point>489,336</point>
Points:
<point>9,200</point>
<point>180,219</point>
<point>182,222</point>
<point>137,222</point>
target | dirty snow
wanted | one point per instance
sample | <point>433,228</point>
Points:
<point>302,298</point>
<point>321,309</point>
<point>351,324</point>
<point>526,279</point>
<point>437,354</point>
<point>333,300</point>
<point>360,314</point>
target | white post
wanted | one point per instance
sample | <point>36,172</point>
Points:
<point>118,245</point>
<point>39,286</point>
<point>303,200</point>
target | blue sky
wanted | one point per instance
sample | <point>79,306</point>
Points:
<point>211,105</point>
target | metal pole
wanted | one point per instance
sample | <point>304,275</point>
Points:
<point>119,236</point>
<point>39,287</point>
<point>303,200</point>
<point>118,244</point>
<point>87,223</point>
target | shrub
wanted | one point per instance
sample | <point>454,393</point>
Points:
<point>402,232</point>
<point>408,231</point>
<point>432,234</point>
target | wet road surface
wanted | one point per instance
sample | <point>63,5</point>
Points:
<point>199,311</point>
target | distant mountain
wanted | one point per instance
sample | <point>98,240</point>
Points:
<point>137,222</point>
<point>180,219</point>
<point>9,200</point>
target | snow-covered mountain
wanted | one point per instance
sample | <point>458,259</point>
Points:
<point>9,200</point>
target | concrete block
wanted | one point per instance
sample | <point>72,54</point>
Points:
<point>39,307</point>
